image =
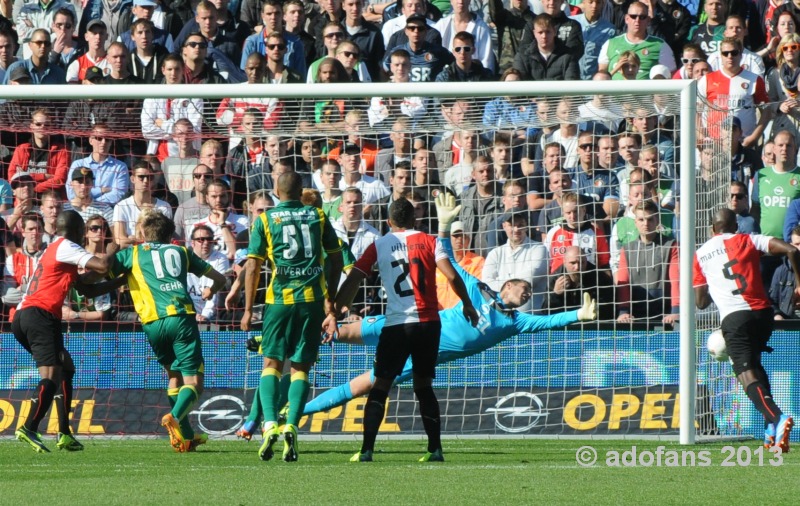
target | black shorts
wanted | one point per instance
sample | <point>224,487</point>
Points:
<point>746,335</point>
<point>420,341</point>
<point>39,332</point>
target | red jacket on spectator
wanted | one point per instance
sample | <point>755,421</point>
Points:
<point>57,167</point>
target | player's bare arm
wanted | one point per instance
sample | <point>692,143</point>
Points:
<point>219,280</point>
<point>252,273</point>
<point>702,298</point>
<point>91,289</point>
<point>344,297</point>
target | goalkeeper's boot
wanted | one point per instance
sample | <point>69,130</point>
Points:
<point>782,430</point>
<point>434,456</point>
<point>769,436</point>
<point>362,457</point>
<point>247,431</point>
<point>197,440</point>
<point>176,439</point>
<point>68,442</point>
<point>32,438</point>
<point>270,438</point>
<point>289,443</point>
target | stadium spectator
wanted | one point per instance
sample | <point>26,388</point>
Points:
<point>127,211</point>
<point>310,159</point>
<point>627,66</point>
<point>400,184</point>
<point>212,156</point>
<point>350,161</point>
<point>38,16</point>
<point>744,161</point>
<point>95,55</point>
<point>365,35</point>
<point>50,205</point>
<point>44,159</point>
<point>469,261</point>
<point>66,48</point>
<point>558,181</point>
<point>81,308</point>
<point>538,193</point>
<point>248,163</point>
<point>740,204</point>
<point>464,68</point>
<point>501,153</point>
<point>650,50</point>
<point>461,19</point>
<point>597,183</point>
<point>223,33</point>
<point>700,69</point>
<point>576,230</point>
<point>512,24</point>
<point>576,277</point>
<point>513,201</point>
<point>22,264</point>
<point>400,151</point>
<point>159,114</point>
<point>351,227</point>
<point>648,271</point>
<point>427,59</point>
<point>38,64</point>
<point>601,115</point>
<point>147,57</point>
<point>781,291</point>
<point>736,27</point>
<point>178,168</point>
<point>662,185</point>
<point>198,67</point>
<point>203,246</point>
<point>519,258</point>
<point>393,31</point>
<point>412,107</point>
<point>195,208</point>
<point>22,186</point>
<point>110,174</point>
<point>464,148</point>
<point>330,175</point>
<point>568,31</point>
<point>691,54</point>
<point>118,57</point>
<point>8,48</point>
<point>349,55</point>
<point>782,87</point>
<point>628,145</point>
<point>224,223</point>
<point>330,12</point>
<point>505,113</point>
<point>480,201</point>
<point>544,60</point>
<point>671,21</point>
<point>272,20</point>
<point>163,35</point>
<point>709,34</point>
<point>81,184</point>
<point>645,123</point>
<point>294,19</point>
<point>625,231</point>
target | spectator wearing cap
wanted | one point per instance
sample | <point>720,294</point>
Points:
<point>8,50</point>
<point>224,34</point>
<point>372,189</point>
<point>38,65</point>
<point>544,60</point>
<point>164,35</point>
<point>464,68</point>
<point>469,261</point>
<point>42,159</point>
<point>272,19</point>
<point>95,56</point>
<point>461,19</point>
<point>393,31</point>
<point>81,184</point>
<point>19,75</point>
<point>427,59</point>
<point>22,186</point>
<point>35,16</point>
<point>519,258</point>
<point>109,175</point>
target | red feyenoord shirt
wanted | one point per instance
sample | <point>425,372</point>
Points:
<point>739,93</point>
<point>57,270</point>
<point>407,264</point>
<point>730,265</point>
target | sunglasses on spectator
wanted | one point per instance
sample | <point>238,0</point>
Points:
<point>416,28</point>
<point>41,42</point>
<point>687,61</point>
<point>95,228</point>
<point>206,175</point>
<point>144,177</point>
<point>349,54</point>
<point>203,239</point>
<point>586,146</point>
<point>466,49</point>
<point>280,47</point>
<point>791,47</point>
<point>638,16</point>
<point>201,45</point>
<point>732,52</point>
<point>331,35</point>
<point>740,196</point>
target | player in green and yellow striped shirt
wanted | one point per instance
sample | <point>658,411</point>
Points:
<point>294,239</point>
<point>156,272</point>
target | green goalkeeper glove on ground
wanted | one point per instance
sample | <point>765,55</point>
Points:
<point>446,210</point>
<point>589,309</point>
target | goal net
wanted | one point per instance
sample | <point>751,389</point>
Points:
<point>549,181</point>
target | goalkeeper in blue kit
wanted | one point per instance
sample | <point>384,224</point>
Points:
<point>499,320</point>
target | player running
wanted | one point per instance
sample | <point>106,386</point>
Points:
<point>156,272</point>
<point>37,325</point>
<point>727,270</point>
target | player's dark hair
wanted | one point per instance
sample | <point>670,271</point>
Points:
<point>515,281</point>
<point>157,228</point>
<point>290,186</point>
<point>401,213</point>
<point>69,224</point>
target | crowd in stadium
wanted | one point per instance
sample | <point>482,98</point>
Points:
<point>573,195</point>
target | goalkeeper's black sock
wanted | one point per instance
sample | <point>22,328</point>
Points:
<point>763,402</point>
<point>373,416</point>
<point>41,404</point>
<point>431,420</point>
<point>64,402</point>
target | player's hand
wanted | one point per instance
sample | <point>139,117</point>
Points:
<point>671,319</point>
<point>446,210</point>
<point>624,318</point>
<point>247,317</point>
<point>589,309</point>
<point>330,328</point>
<point>207,293</point>
<point>232,299</point>
<point>471,314</point>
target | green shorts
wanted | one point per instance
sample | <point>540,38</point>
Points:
<point>293,331</point>
<point>176,342</point>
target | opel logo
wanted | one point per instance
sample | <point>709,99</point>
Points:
<point>221,415</point>
<point>518,412</point>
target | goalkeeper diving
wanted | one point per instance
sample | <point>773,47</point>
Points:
<point>499,320</point>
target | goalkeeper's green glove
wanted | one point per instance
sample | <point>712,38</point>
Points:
<point>446,210</point>
<point>253,344</point>
<point>589,309</point>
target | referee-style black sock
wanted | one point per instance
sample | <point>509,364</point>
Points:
<point>759,396</point>
<point>64,402</point>
<point>373,416</point>
<point>431,420</point>
<point>41,404</point>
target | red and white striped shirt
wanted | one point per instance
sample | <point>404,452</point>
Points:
<point>730,264</point>
<point>76,72</point>
<point>407,265</point>
<point>739,93</point>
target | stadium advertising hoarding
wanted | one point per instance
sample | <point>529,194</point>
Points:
<point>567,382</point>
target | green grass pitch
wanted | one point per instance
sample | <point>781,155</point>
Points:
<point>486,472</point>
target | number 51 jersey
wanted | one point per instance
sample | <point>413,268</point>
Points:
<point>407,265</point>
<point>730,264</point>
